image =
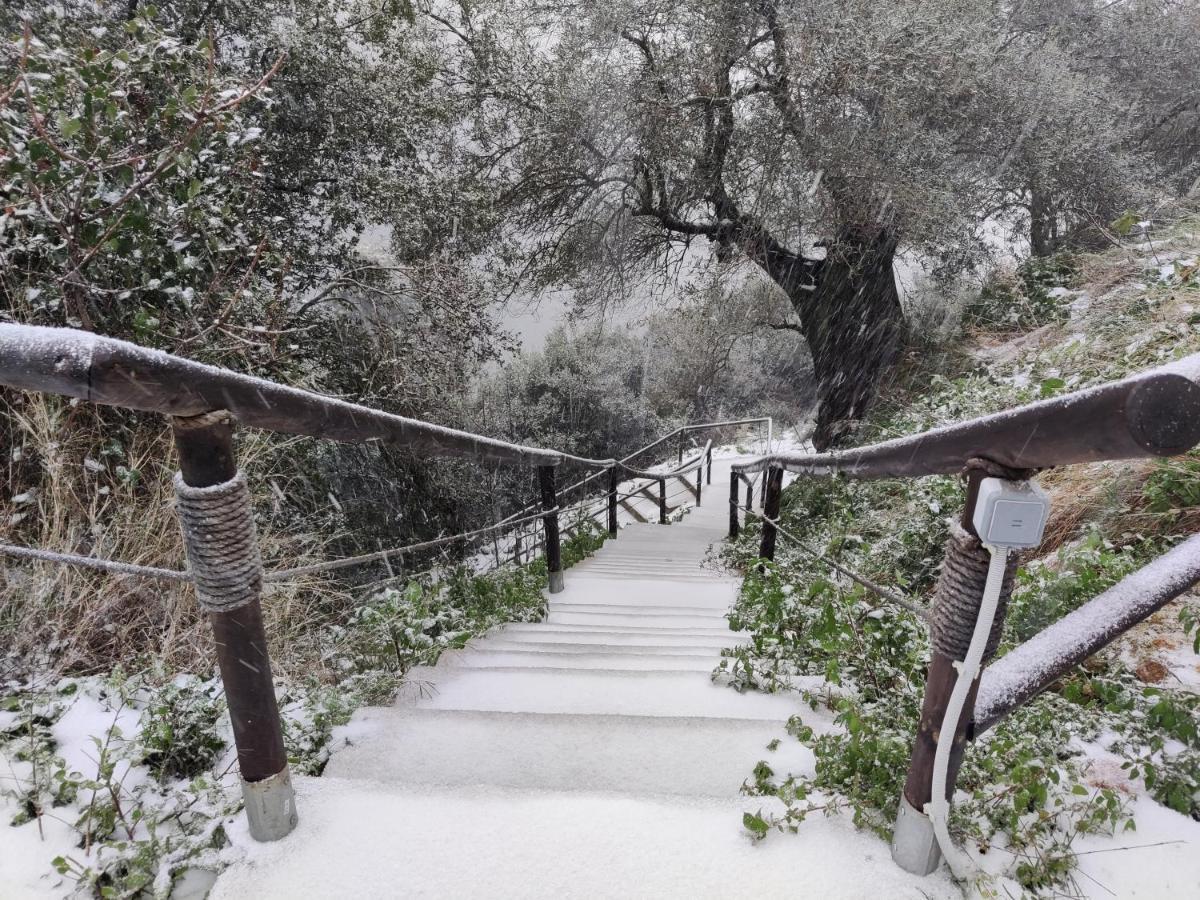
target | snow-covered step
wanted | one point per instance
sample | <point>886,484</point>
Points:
<point>592,693</point>
<point>693,648</point>
<point>582,587</point>
<point>607,661</point>
<point>582,634</point>
<point>708,653</point>
<point>366,839</point>
<point>572,617</point>
<point>519,628</point>
<point>702,757</point>
<point>649,608</point>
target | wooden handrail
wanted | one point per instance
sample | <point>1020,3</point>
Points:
<point>1154,413</point>
<point>117,373</point>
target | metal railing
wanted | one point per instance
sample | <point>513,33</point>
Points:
<point>1155,413</point>
<point>204,404</point>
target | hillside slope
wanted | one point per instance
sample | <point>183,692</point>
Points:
<point>1109,758</point>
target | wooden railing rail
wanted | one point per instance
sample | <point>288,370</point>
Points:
<point>1151,414</point>
<point>204,404</point>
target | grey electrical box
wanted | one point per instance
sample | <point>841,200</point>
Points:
<point>1010,514</point>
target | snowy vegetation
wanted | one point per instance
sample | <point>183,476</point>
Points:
<point>1124,726</point>
<point>344,197</point>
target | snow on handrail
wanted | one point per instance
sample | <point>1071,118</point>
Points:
<point>1153,413</point>
<point>117,373</point>
<point>1027,670</point>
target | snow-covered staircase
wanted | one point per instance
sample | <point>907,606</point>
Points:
<point>588,755</point>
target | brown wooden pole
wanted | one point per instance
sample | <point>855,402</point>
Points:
<point>699,481</point>
<point>207,459</point>
<point>662,501</point>
<point>773,488</point>
<point>612,502</point>
<point>709,477</point>
<point>913,846</point>
<point>550,521</point>
<point>733,506</point>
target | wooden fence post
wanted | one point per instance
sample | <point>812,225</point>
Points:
<point>914,846</point>
<point>221,543</point>
<point>612,502</point>
<point>709,480</point>
<point>772,488</point>
<point>699,481</point>
<point>733,505</point>
<point>662,501</point>
<point>749,492</point>
<point>550,521</point>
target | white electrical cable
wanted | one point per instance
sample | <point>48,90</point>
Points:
<point>938,808</point>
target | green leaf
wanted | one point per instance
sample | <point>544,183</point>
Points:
<point>1051,386</point>
<point>1124,225</point>
<point>69,127</point>
<point>756,825</point>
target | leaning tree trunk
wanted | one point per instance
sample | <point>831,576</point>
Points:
<point>854,325</point>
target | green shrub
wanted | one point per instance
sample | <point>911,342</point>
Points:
<point>1024,301</point>
<point>179,729</point>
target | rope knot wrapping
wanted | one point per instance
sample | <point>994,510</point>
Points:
<point>221,542</point>
<point>959,592</point>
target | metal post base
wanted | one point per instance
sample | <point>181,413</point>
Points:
<point>556,582</point>
<point>914,845</point>
<point>270,806</point>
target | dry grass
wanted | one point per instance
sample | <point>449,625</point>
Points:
<point>86,481</point>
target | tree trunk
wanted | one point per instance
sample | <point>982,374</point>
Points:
<point>1041,220</point>
<point>854,325</point>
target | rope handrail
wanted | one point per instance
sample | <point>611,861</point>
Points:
<point>183,575</point>
<point>882,592</point>
<point>1152,413</point>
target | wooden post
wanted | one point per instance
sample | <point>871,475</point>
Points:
<point>762,499</point>
<point>914,847</point>
<point>709,479</point>
<point>733,505</point>
<point>773,487</point>
<point>662,501</point>
<point>207,460</point>
<point>612,502</point>
<point>749,493</point>
<point>682,434</point>
<point>699,481</point>
<point>550,521</point>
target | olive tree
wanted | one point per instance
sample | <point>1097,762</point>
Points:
<point>810,138</point>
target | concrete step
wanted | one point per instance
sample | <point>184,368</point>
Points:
<point>540,627</point>
<point>634,609</point>
<point>710,640</point>
<point>590,693</point>
<point>699,757</point>
<point>604,589</point>
<point>532,657</point>
<point>597,645</point>
<point>691,620</point>
<point>374,840</point>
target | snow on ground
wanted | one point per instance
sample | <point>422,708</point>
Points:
<point>544,760</point>
<point>375,841</point>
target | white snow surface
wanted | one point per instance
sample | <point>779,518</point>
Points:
<point>589,755</point>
